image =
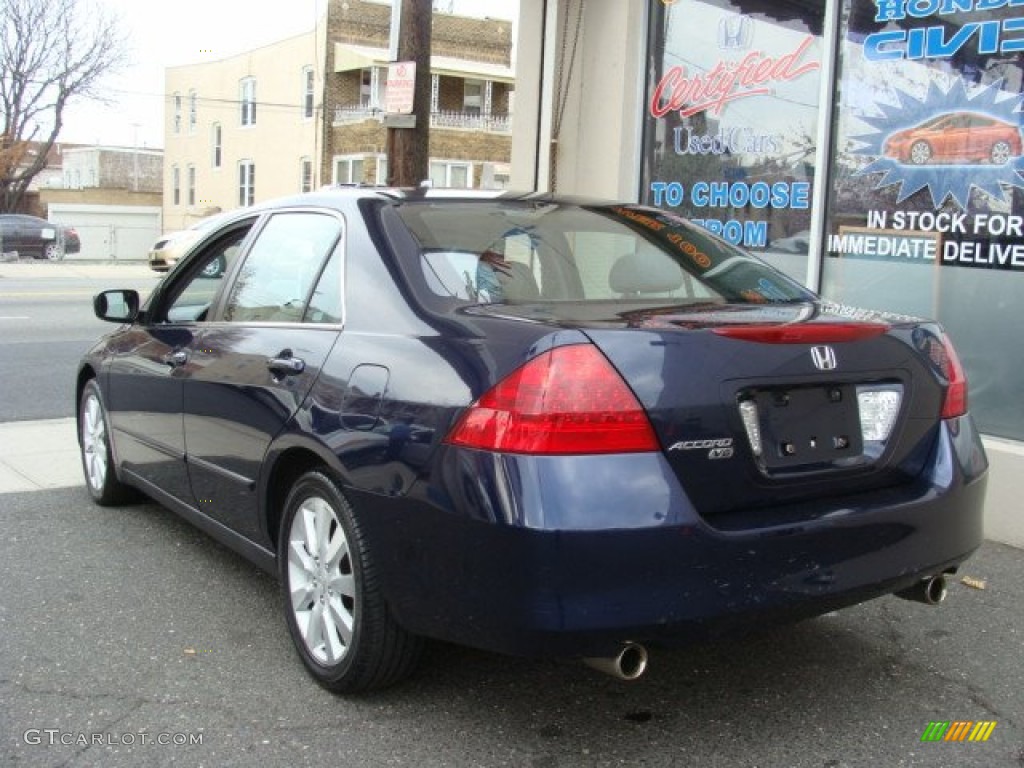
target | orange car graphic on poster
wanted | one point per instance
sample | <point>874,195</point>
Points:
<point>957,137</point>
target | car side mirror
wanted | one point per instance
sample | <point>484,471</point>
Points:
<point>117,306</point>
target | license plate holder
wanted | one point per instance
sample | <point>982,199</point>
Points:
<point>809,425</point>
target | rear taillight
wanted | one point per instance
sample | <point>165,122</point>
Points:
<point>569,400</point>
<point>943,356</point>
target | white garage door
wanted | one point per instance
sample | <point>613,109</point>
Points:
<point>110,232</point>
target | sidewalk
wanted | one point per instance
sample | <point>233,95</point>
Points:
<point>37,455</point>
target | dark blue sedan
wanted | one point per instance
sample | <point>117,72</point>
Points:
<point>536,426</point>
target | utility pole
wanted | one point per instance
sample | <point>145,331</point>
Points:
<point>408,148</point>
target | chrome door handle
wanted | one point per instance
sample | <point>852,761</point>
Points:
<point>175,359</point>
<point>286,366</point>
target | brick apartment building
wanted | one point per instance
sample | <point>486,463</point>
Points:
<point>307,111</point>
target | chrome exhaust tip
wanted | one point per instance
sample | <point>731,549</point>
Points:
<point>930,591</point>
<point>629,664</point>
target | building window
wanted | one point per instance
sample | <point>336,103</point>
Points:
<point>176,185</point>
<point>247,101</point>
<point>308,83</point>
<point>177,113</point>
<point>306,175</point>
<point>246,182</point>
<point>217,146</point>
<point>371,87</point>
<point>193,111</point>
<point>456,175</point>
<point>472,97</point>
<point>348,170</point>
<point>191,181</point>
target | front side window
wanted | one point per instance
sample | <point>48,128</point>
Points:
<point>277,280</point>
<point>247,101</point>
<point>246,183</point>
<point>192,297</point>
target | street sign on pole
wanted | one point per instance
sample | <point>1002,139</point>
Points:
<point>401,84</point>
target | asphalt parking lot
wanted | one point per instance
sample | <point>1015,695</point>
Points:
<point>122,628</point>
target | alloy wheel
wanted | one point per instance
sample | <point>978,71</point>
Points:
<point>94,443</point>
<point>321,581</point>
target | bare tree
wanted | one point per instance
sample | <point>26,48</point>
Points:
<point>52,52</point>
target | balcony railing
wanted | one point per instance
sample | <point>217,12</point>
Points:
<point>461,121</point>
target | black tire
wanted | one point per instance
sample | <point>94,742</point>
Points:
<point>337,591</point>
<point>53,252</point>
<point>97,456</point>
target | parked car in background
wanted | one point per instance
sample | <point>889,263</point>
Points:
<point>958,137</point>
<point>171,246</point>
<point>531,425</point>
<point>37,238</point>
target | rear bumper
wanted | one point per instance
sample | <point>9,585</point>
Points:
<point>574,556</point>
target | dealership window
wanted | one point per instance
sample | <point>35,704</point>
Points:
<point>175,185</point>
<point>217,145</point>
<point>190,174</point>
<point>454,174</point>
<point>731,120</point>
<point>177,113</point>
<point>308,85</point>
<point>246,182</point>
<point>305,175</point>
<point>193,111</point>
<point>926,201</point>
<point>247,101</point>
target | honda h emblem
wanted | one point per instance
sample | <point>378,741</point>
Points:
<point>824,358</point>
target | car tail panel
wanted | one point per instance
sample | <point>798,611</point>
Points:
<point>764,412</point>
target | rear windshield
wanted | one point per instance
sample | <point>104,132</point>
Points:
<point>521,252</point>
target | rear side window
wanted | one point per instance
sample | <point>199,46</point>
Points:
<point>277,280</point>
<point>515,252</point>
